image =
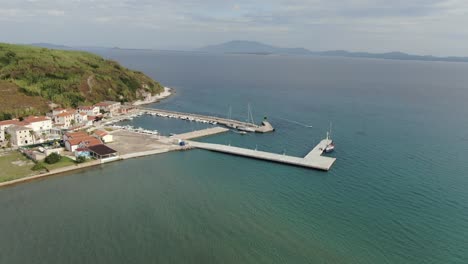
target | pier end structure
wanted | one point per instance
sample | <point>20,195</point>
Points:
<point>265,127</point>
<point>313,160</point>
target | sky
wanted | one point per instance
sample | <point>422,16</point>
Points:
<point>436,27</point>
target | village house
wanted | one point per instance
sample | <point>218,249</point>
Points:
<point>82,152</point>
<point>39,123</point>
<point>8,123</point>
<point>125,109</point>
<point>81,118</point>
<point>104,136</point>
<point>74,135</point>
<point>20,135</point>
<point>89,110</point>
<point>73,144</point>
<point>103,152</point>
<point>80,139</point>
<point>65,119</point>
<point>58,111</point>
<point>109,106</point>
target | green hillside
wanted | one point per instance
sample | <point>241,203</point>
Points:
<point>32,77</point>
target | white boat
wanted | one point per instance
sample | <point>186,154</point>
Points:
<point>331,146</point>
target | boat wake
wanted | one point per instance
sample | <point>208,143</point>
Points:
<point>295,122</point>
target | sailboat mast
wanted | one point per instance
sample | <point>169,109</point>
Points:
<point>249,113</point>
<point>230,112</point>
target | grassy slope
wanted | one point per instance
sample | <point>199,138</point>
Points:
<point>64,162</point>
<point>11,171</point>
<point>69,78</point>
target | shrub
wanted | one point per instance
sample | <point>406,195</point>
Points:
<point>38,166</point>
<point>53,158</point>
<point>80,159</point>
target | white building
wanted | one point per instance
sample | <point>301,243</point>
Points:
<point>89,110</point>
<point>20,135</point>
<point>5,124</point>
<point>58,111</point>
<point>39,123</point>
<point>104,136</point>
<point>81,118</point>
<point>109,106</point>
<point>72,144</point>
<point>65,119</point>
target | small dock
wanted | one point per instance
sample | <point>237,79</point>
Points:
<point>200,133</point>
<point>313,160</point>
<point>265,127</point>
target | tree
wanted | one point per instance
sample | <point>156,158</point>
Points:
<point>72,123</point>
<point>38,166</point>
<point>53,158</point>
<point>10,56</point>
<point>80,159</point>
<point>33,135</point>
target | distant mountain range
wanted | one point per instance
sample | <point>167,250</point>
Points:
<point>51,46</point>
<point>252,47</point>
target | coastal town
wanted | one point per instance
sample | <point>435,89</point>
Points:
<point>67,139</point>
<point>79,136</point>
<point>72,132</point>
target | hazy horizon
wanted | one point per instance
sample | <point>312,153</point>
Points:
<point>433,27</point>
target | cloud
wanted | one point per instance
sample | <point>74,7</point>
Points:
<point>374,25</point>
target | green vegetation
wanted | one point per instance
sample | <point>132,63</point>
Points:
<point>64,162</point>
<point>14,166</point>
<point>53,158</point>
<point>30,77</point>
<point>38,167</point>
<point>80,159</point>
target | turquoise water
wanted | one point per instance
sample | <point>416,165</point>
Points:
<point>398,192</point>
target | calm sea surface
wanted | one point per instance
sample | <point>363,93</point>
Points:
<point>398,192</point>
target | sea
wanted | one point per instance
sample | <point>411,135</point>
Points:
<point>398,192</point>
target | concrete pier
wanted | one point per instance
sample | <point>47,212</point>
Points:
<point>264,128</point>
<point>313,160</point>
<point>200,133</point>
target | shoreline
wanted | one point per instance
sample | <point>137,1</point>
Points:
<point>155,98</point>
<point>149,100</point>
<point>86,165</point>
<point>51,173</point>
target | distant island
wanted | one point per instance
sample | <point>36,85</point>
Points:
<point>252,47</point>
<point>33,78</point>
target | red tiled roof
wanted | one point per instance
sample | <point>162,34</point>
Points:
<point>100,133</point>
<point>12,122</point>
<point>86,107</point>
<point>76,134</point>
<point>82,149</point>
<point>88,141</point>
<point>102,104</point>
<point>32,119</point>
<point>65,114</point>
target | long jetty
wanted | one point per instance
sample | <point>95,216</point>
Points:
<point>265,127</point>
<point>313,160</point>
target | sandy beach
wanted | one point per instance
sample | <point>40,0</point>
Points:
<point>152,99</point>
